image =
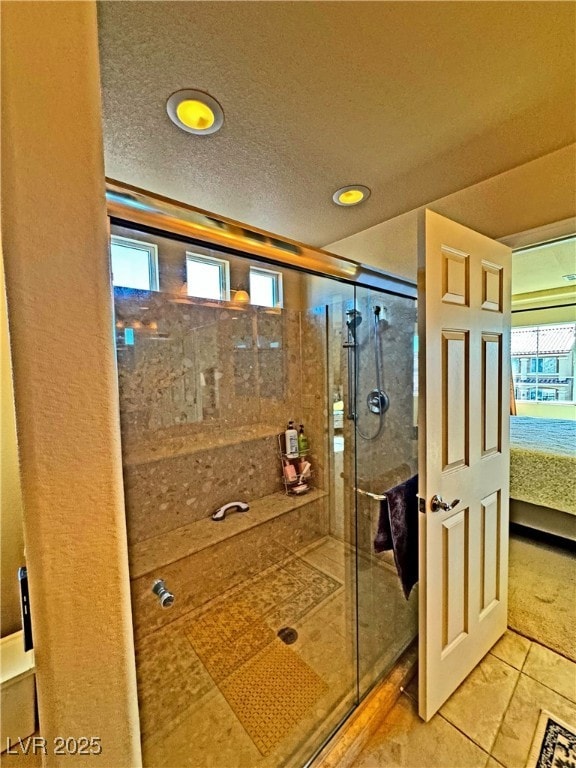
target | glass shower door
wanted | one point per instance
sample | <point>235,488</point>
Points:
<point>386,454</point>
<point>245,624</point>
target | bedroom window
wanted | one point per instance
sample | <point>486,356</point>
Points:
<point>543,362</point>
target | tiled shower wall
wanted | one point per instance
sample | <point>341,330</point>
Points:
<point>386,460</point>
<point>205,387</point>
<point>204,390</point>
<point>392,457</point>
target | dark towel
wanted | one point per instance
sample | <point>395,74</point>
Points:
<point>398,530</point>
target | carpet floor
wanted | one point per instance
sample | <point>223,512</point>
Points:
<point>542,594</point>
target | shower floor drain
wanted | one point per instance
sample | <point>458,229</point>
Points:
<point>288,635</point>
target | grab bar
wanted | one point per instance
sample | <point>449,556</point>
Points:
<point>377,496</point>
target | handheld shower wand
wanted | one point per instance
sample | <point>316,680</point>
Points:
<point>354,320</point>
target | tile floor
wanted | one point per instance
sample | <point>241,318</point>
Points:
<point>488,722</point>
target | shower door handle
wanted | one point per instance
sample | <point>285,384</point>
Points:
<point>437,504</point>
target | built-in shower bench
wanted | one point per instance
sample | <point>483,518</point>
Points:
<point>178,479</point>
<point>149,555</point>
<point>202,559</point>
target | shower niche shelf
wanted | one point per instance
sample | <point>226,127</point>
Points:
<point>171,443</point>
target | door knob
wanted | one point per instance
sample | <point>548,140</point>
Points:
<point>436,504</point>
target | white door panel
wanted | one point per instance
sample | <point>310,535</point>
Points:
<point>464,328</point>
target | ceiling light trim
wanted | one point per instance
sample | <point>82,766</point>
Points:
<point>190,94</point>
<point>339,197</point>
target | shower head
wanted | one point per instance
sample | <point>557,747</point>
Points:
<point>381,316</point>
<point>354,320</point>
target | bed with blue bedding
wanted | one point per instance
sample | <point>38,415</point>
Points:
<point>543,474</point>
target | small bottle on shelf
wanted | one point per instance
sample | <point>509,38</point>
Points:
<point>302,442</point>
<point>295,469</point>
<point>291,441</point>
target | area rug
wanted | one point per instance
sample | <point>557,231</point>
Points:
<point>554,743</point>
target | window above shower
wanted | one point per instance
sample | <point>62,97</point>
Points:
<point>265,287</point>
<point>213,341</point>
<point>134,263</point>
<point>145,262</point>
<point>207,277</point>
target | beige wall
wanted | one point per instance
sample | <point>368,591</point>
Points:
<point>54,230</point>
<point>553,306</point>
<point>535,316</point>
<point>12,538</point>
<point>526,197</point>
<point>546,410</point>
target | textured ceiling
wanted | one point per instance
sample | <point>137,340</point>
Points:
<point>414,99</point>
<point>542,268</point>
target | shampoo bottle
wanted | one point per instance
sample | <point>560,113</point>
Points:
<point>302,442</point>
<point>291,441</point>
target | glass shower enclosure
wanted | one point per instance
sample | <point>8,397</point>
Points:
<point>261,613</point>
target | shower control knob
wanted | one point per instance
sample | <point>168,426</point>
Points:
<point>377,401</point>
<point>165,598</point>
<point>437,504</point>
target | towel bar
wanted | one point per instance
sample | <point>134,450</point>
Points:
<point>377,496</point>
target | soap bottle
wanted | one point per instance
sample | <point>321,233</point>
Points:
<point>291,441</point>
<point>302,442</point>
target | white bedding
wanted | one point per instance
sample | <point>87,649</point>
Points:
<point>543,462</point>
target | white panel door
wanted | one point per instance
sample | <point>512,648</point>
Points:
<point>464,329</point>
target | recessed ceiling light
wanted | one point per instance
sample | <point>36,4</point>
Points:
<point>351,195</point>
<point>195,112</point>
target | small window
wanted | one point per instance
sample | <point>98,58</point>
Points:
<point>134,263</point>
<point>265,287</point>
<point>207,277</point>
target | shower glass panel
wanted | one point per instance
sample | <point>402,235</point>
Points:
<point>278,617</point>
<point>386,455</point>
